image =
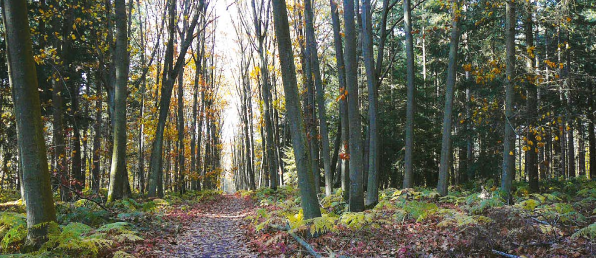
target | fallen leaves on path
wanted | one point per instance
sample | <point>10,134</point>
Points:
<point>208,229</point>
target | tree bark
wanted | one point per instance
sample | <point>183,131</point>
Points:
<point>168,80</point>
<point>411,92</point>
<point>32,150</point>
<point>356,200</point>
<point>311,44</point>
<point>343,107</point>
<point>446,148</point>
<point>508,168</point>
<point>372,193</point>
<point>532,105</point>
<point>310,203</point>
<point>118,172</point>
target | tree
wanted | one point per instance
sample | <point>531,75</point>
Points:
<point>448,111</point>
<point>531,102</point>
<point>118,174</point>
<point>372,194</point>
<point>32,150</point>
<point>411,89</point>
<point>170,73</point>
<point>309,200</point>
<point>508,169</point>
<point>356,202</point>
<point>343,107</point>
<point>311,44</point>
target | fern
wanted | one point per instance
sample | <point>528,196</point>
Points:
<point>492,202</point>
<point>529,204</point>
<point>322,224</point>
<point>127,237</point>
<point>13,229</point>
<point>420,210</point>
<point>459,219</point>
<point>122,254</point>
<point>72,239</point>
<point>117,228</point>
<point>588,232</point>
<point>357,220</point>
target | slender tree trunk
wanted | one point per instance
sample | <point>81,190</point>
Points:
<point>311,43</point>
<point>310,203</point>
<point>532,106</point>
<point>372,196</point>
<point>446,148</point>
<point>581,148</point>
<point>508,169</point>
<point>95,168</point>
<point>59,143</point>
<point>168,80</point>
<point>118,172</point>
<point>356,200</point>
<point>411,89</point>
<point>32,150</point>
<point>343,107</point>
<point>591,135</point>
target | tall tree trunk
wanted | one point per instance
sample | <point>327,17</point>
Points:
<point>343,107</point>
<point>446,148</point>
<point>261,25</point>
<point>95,168</point>
<point>356,200</point>
<point>59,143</point>
<point>309,200</point>
<point>581,148</point>
<point>311,44</point>
<point>76,171</point>
<point>410,107</point>
<point>27,107</point>
<point>508,169</point>
<point>532,105</point>
<point>372,194</point>
<point>168,80</point>
<point>591,136</point>
<point>118,174</point>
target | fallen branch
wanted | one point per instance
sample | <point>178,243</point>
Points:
<point>304,244</point>
<point>505,254</point>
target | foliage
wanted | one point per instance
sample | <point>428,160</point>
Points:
<point>588,232</point>
<point>81,211</point>
<point>72,239</point>
<point>290,174</point>
<point>13,230</point>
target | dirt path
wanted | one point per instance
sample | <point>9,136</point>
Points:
<point>215,230</point>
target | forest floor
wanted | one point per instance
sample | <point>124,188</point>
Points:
<point>558,222</point>
<point>212,229</point>
<point>469,222</point>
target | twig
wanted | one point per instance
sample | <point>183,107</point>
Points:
<point>505,254</point>
<point>304,244</point>
<point>88,199</point>
<point>541,221</point>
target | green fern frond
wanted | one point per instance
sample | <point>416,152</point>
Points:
<point>588,232</point>
<point>117,227</point>
<point>128,237</point>
<point>323,224</point>
<point>122,254</point>
<point>420,210</point>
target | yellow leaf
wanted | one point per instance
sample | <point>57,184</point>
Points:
<point>511,153</point>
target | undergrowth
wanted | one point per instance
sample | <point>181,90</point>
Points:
<point>85,228</point>
<point>477,220</point>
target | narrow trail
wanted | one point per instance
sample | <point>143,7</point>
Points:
<point>215,231</point>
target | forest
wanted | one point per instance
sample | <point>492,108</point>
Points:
<point>298,128</point>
